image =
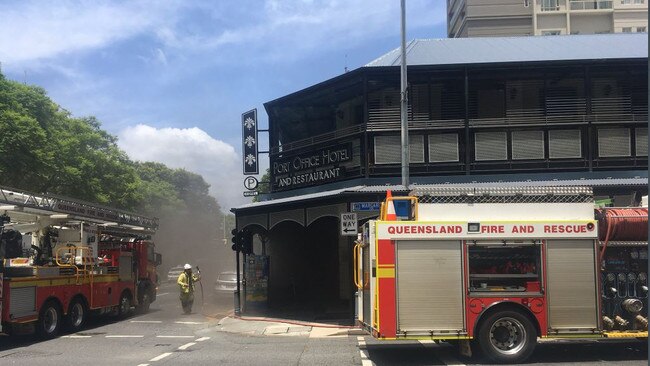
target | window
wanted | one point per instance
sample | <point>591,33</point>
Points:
<point>626,2</point>
<point>639,1</point>
<point>613,142</point>
<point>527,145</point>
<point>550,5</point>
<point>551,33</point>
<point>564,144</point>
<point>490,146</point>
<point>641,142</point>
<point>443,147</point>
<point>627,29</point>
<point>640,29</point>
<point>388,149</point>
<point>505,267</point>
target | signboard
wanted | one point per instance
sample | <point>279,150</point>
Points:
<point>250,183</point>
<point>366,206</point>
<point>249,142</point>
<point>250,193</point>
<point>257,280</point>
<point>316,167</point>
<point>487,230</point>
<point>349,225</point>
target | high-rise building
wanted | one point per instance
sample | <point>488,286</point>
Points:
<point>496,18</point>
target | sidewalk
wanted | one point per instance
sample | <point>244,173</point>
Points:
<point>280,327</point>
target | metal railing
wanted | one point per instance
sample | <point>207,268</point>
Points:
<point>591,4</point>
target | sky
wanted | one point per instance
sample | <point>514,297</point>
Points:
<point>171,78</point>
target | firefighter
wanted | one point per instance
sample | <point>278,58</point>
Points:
<point>186,282</point>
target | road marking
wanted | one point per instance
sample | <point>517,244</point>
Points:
<point>365,358</point>
<point>163,294</point>
<point>147,321</point>
<point>442,354</point>
<point>158,358</point>
<point>172,336</point>
<point>202,339</point>
<point>185,346</point>
<point>143,364</point>
<point>124,336</point>
<point>189,322</point>
<point>76,336</point>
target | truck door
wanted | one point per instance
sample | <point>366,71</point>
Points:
<point>429,287</point>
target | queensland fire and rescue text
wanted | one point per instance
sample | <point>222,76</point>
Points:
<point>516,229</point>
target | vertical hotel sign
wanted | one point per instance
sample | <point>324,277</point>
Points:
<point>249,140</point>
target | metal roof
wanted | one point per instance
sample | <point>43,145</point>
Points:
<point>481,50</point>
<point>601,182</point>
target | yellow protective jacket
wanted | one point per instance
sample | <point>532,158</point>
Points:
<point>184,283</point>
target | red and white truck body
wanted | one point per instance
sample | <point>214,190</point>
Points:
<point>61,260</point>
<point>502,267</point>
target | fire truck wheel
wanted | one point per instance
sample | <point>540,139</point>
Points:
<point>507,337</point>
<point>124,307</point>
<point>76,317</point>
<point>49,320</point>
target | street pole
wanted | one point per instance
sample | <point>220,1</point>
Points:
<point>404,105</point>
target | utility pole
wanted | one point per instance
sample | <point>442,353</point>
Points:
<point>404,105</point>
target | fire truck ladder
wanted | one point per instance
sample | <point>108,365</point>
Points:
<point>49,204</point>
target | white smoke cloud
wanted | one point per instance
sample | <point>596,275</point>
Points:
<point>191,149</point>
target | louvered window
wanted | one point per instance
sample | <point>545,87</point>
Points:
<point>527,145</point>
<point>641,142</point>
<point>419,102</point>
<point>564,144</point>
<point>490,146</point>
<point>613,142</point>
<point>384,106</point>
<point>388,149</point>
<point>443,147</point>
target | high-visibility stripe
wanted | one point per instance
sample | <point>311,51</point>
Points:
<point>626,334</point>
<point>386,272</point>
<point>60,281</point>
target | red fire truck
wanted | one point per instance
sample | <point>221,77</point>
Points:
<point>494,269</point>
<point>63,260</point>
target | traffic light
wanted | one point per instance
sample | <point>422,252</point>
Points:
<point>246,242</point>
<point>235,240</point>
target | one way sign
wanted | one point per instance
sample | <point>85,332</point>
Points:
<point>349,224</point>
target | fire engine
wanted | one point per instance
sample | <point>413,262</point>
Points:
<point>495,269</point>
<point>63,259</point>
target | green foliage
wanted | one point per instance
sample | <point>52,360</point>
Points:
<point>44,149</point>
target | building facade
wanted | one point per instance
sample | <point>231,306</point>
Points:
<point>482,111</point>
<point>499,18</point>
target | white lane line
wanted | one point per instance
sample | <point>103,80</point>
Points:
<point>185,346</point>
<point>173,336</point>
<point>147,321</point>
<point>442,354</point>
<point>158,358</point>
<point>202,339</point>
<point>365,358</point>
<point>163,294</point>
<point>143,364</point>
<point>124,336</point>
<point>76,336</point>
<point>189,322</point>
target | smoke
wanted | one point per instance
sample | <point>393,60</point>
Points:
<point>197,238</point>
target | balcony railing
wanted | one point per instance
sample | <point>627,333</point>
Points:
<point>591,4</point>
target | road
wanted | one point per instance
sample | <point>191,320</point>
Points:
<point>165,336</point>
